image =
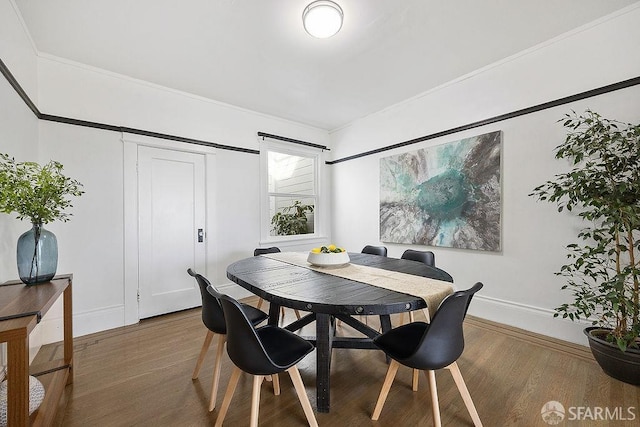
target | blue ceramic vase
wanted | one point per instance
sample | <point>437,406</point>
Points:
<point>37,255</point>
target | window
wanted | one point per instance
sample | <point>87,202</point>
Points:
<point>290,191</point>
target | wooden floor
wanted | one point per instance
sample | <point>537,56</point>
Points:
<point>141,376</point>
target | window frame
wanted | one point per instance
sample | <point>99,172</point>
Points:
<point>316,154</point>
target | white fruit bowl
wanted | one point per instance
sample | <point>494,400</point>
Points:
<point>328,259</point>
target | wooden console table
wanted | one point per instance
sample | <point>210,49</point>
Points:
<point>21,309</point>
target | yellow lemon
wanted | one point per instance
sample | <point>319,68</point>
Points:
<point>315,250</point>
<point>331,247</point>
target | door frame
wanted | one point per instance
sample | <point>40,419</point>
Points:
<point>130,143</point>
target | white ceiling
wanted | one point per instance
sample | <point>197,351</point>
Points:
<point>256,55</point>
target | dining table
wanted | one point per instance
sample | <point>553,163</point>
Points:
<point>326,295</point>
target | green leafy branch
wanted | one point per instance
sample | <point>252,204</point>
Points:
<point>39,193</point>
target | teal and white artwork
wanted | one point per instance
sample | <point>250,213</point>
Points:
<point>447,195</point>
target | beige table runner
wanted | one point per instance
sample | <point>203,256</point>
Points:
<point>431,290</point>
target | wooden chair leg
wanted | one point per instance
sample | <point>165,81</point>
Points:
<point>386,386</point>
<point>203,353</point>
<point>222,339</point>
<point>276,384</point>
<point>297,313</point>
<point>414,382</point>
<point>260,302</point>
<point>302,395</point>
<point>255,400</point>
<point>464,392</point>
<point>231,388</point>
<point>435,406</point>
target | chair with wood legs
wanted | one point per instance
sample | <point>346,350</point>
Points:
<point>213,319</point>
<point>428,258</point>
<point>271,250</point>
<point>428,347</point>
<point>267,350</point>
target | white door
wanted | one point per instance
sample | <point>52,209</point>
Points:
<point>171,197</point>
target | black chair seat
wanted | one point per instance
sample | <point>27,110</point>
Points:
<point>402,342</point>
<point>283,347</point>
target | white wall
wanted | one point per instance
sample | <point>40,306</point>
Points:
<point>18,125</point>
<point>520,287</point>
<point>19,139</point>
<point>92,243</point>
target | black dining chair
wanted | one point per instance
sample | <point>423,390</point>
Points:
<point>271,250</point>
<point>374,250</point>
<point>428,347</point>
<point>267,350</point>
<point>213,319</point>
<point>425,257</point>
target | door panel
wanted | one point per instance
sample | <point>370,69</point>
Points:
<point>171,195</point>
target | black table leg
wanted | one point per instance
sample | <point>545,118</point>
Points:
<point>385,324</point>
<point>274,314</point>
<point>324,336</point>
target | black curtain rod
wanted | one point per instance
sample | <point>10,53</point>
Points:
<point>294,141</point>
<point>546,105</point>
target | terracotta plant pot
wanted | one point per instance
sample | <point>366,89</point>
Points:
<point>623,366</point>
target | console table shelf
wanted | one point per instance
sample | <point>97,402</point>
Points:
<point>21,309</point>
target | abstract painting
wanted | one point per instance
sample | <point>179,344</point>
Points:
<point>447,195</point>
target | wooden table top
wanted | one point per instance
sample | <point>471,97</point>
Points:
<point>19,300</point>
<point>301,288</point>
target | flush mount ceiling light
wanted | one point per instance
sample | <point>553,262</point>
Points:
<point>322,18</point>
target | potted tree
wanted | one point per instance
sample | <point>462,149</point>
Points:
<point>603,274</point>
<point>292,219</point>
<point>40,194</point>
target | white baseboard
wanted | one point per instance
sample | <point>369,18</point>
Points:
<point>530,318</point>
<point>99,320</point>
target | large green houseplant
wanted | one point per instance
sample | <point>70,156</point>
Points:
<point>41,195</point>
<point>603,274</point>
<point>292,220</point>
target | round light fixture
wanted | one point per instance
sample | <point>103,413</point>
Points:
<point>322,18</point>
